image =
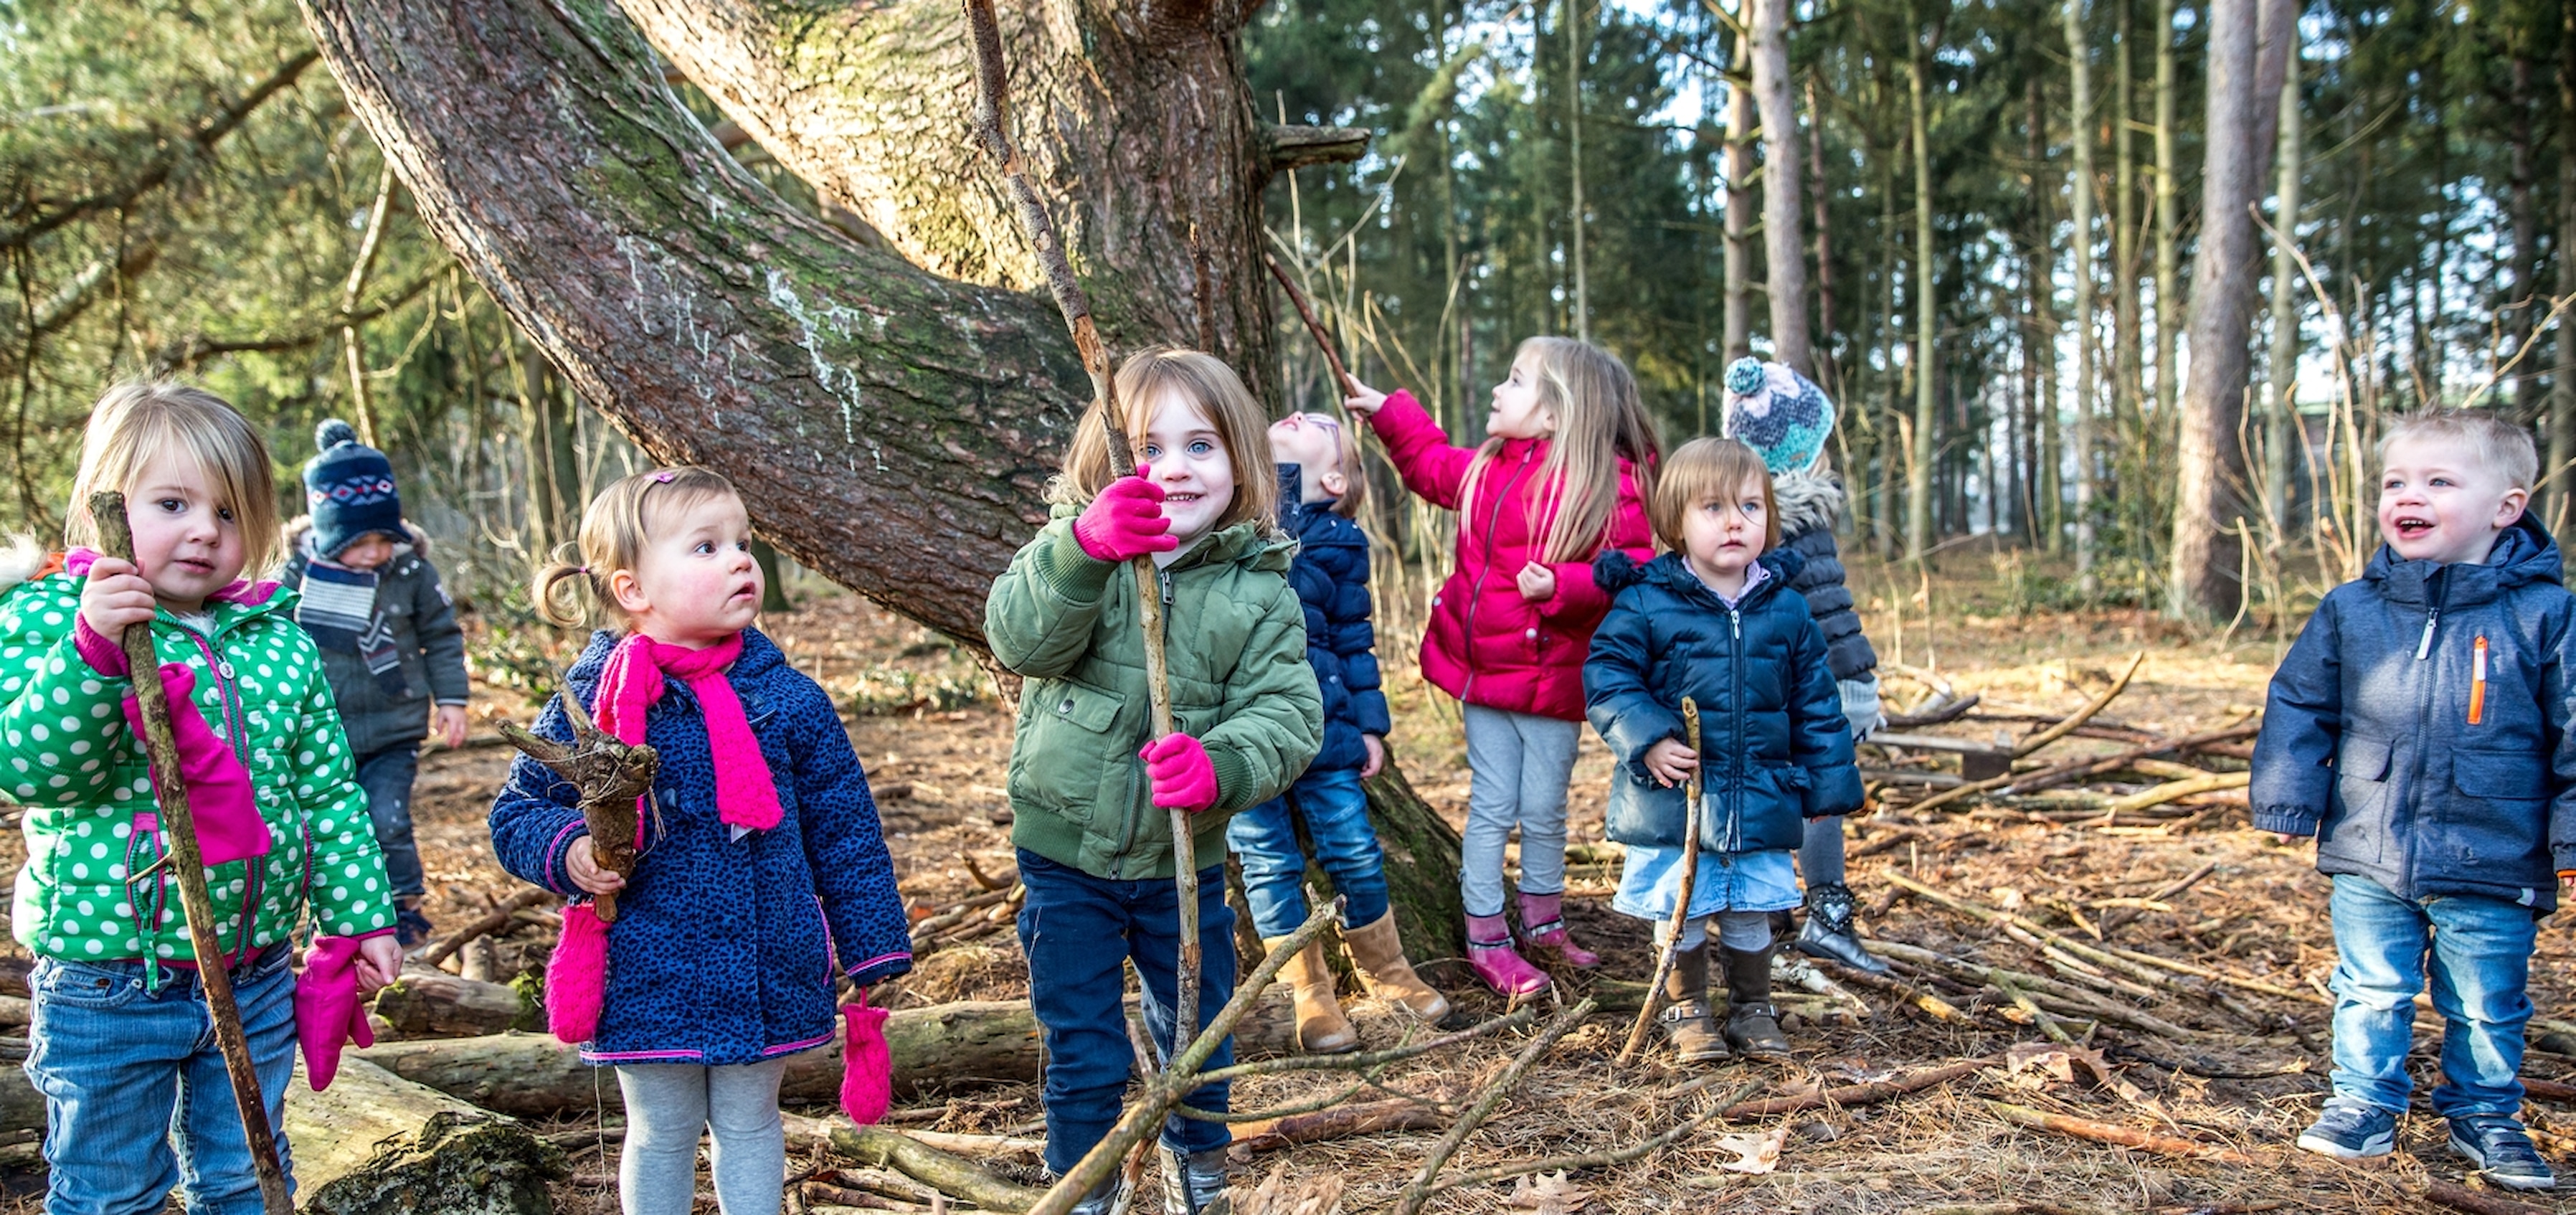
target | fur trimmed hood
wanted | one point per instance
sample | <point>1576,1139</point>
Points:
<point>1807,500</point>
<point>20,558</point>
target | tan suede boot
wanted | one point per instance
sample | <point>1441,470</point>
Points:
<point>1380,954</point>
<point>1321,1027</point>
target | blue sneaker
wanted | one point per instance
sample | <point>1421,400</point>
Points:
<point>2503,1152</point>
<point>2353,1130</point>
<point>411,928</point>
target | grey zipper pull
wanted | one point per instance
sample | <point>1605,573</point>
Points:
<point>1735,623</point>
<point>1165,578</point>
<point>2424,648</point>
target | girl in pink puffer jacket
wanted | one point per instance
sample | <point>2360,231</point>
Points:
<point>1563,475</point>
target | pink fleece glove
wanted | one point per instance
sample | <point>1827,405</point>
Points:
<point>867,1065</point>
<point>1183,778</point>
<point>229,827</point>
<point>327,1010</point>
<point>1125,522</point>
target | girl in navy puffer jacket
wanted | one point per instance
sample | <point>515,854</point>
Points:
<point>762,877</point>
<point>1715,621</point>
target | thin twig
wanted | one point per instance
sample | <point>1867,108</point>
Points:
<point>1306,313</point>
<point>1419,1190</point>
<point>1597,1160</point>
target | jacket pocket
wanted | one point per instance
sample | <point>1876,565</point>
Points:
<point>2499,812</point>
<point>2356,827</point>
<point>82,986</point>
<point>1065,750</point>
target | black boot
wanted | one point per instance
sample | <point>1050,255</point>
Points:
<point>1752,1024</point>
<point>1829,933</point>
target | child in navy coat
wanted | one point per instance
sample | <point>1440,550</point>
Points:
<point>2419,730</point>
<point>1714,620</point>
<point>763,874</point>
<point>1319,494</point>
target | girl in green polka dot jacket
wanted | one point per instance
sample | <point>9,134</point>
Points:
<point>118,1044</point>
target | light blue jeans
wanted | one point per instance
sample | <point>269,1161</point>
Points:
<point>136,1097</point>
<point>2479,955</point>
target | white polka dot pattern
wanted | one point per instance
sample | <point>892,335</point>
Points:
<point>68,757</point>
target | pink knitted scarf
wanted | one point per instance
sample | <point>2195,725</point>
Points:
<point>634,678</point>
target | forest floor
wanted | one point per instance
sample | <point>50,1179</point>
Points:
<point>2257,916</point>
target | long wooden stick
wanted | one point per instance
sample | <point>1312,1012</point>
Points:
<point>1315,328</point>
<point>1670,954</point>
<point>170,790</point>
<point>992,127</point>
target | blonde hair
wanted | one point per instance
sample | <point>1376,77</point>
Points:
<point>139,419</point>
<point>1222,401</point>
<point>1599,421</point>
<point>614,530</point>
<point>1705,469</point>
<point>2500,446</point>
<point>1354,473</point>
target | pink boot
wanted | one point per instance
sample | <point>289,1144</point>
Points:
<point>1543,927</point>
<point>1490,953</point>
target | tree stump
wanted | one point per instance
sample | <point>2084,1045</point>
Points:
<point>377,1144</point>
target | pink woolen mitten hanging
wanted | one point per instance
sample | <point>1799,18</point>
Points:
<point>328,1012</point>
<point>1182,775</point>
<point>1125,521</point>
<point>219,794</point>
<point>867,1066</point>
<point>577,975</point>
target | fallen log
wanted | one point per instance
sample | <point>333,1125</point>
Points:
<point>968,1042</point>
<point>435,1004</point>
<point>2462,1198</point>
<point>376,1144</point>
<point>2119,1136</point>
<point>1858,1094</point>
<point>954,1176</point>
<point>1339,1122</point>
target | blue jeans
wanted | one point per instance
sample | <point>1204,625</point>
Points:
<point>1335,810</point>
<point>387,776</point>
<point>129,1075</point>
<point>2480,959</point>
<point>1078,931</point>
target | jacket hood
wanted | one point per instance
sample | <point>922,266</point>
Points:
<point>1807,500</point>
<point>2524,554</point>
<point>1616,571</point>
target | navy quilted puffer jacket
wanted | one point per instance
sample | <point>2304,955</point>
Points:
<point>1775,748</point>
<point>1331,579</point>
<point>2367,741</point>
<point>724,949</point>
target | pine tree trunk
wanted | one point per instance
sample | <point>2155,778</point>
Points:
<point>2050,516</point>
<point>1574,160</point>
<point>2525,306</point>
<point>1819,194</point>
<point>2081,243</point>
<point>2169,294</point>
<point>2130,408</point>
<point>2562,384</point>
<point>2281,385</point>
<point>1919,362</point>
<point>1739,205</point>
<point>1784,250</point>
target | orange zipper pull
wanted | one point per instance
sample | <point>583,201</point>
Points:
<point>2478,681</point>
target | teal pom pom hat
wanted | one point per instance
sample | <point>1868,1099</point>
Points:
<point>1778,413</point>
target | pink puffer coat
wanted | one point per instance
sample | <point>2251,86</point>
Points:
<point>1487,645</point>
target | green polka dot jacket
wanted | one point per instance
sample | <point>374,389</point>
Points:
<point>68,757</point>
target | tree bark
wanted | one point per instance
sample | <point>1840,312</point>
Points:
<point>376,1144</point>
<point>436,1004</point>
<point>2202,581</point>
<point>2281,384</point>
<point>1574,161</point>
<point>1739,197</point>
<point>1784,249</point>
<point>2169,294</point>
<point>2129,409</point>
<point>2562,384</point>
<point>2081,244</point>
<point>1920,363</point>
<point>2049,518</point>
<point>1820,195</point>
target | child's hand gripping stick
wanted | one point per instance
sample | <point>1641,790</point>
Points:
<point>1183,777</point>
<point>1125,521</point>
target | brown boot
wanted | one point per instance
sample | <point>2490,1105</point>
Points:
<point>1752,1024</point>
<point>1321,1027</point>
<point>1687,1024</point>
<point>1389,977</point>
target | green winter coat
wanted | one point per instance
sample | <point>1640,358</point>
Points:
<point>68,757</point>
<point>1235,639</point>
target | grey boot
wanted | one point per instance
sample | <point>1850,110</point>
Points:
<point>1752,1024</point>
<point>1194,1184</point>
<point>1100,1201</point>
<point>1830,934</point>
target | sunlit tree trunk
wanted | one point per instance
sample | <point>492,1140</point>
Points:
<point>2169,294</point>
<point>1921,362</point>
<point>2125,373</point>
<point>2281,385</point>
<point>1820,195</point>
<point>1739,204</point>
<point>1574,160</point>
<point>2081,244</point>
<point>1784,251</point>
<point>2051,516</point>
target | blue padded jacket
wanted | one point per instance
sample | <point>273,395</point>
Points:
<point>1331,580</point>
<point>2368,741</point>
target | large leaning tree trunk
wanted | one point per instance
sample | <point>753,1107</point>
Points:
<point>891,411</point>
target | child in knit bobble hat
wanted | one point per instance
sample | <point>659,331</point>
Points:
<point>390,642</point>
<point>1786,419</point>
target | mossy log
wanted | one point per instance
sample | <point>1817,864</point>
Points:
<point>377,1144</point>
<point>440,1005</point>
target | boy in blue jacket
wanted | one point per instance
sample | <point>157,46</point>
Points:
<point>2418,729</point>
<point>1319,494</point>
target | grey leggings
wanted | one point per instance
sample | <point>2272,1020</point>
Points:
<point>1743,931</point>
<point>670,1105</point>
<point>1520,763</point>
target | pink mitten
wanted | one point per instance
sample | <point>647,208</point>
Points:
<point>577,975</point>
<point>867,1066</point>
<point>327,1010</point>
<point>1126,521</point>
<point>228,824</point>
<point>1183,778</point>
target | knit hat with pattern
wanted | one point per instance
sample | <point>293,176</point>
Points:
<point>1777,412</point>
<point>350,490</point>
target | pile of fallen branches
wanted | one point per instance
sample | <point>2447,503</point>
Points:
<point>2164,784</point>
